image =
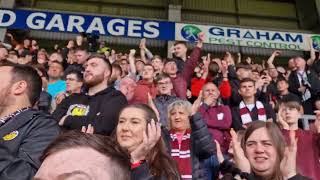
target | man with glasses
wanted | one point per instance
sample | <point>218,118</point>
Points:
<point>165,97</point>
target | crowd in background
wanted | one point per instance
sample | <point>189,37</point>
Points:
<point>193,116</point>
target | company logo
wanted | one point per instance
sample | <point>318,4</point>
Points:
<point>190,32</point>
<point>315,42</point>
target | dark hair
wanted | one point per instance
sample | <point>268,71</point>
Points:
<point>76,72</point>
<point>160,77</point>
<point>105,145</point>
<point>57,62</point>
<point>180,42</point>
<point>281,78</point>
<point>292,102</point>
<point>169,60</point>
<point>243,65</point>
<point>247,80</point>
<point>213,69</point>
<point>30,75</point>
<point>277,140</point>
<point>160,163</point>
<point>100,56</point>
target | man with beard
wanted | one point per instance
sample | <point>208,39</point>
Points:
<point>99,107</point>
<point>24,131</point>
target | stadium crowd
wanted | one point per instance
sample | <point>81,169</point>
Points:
<point>87,111</point>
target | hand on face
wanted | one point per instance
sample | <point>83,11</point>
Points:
<point>150,138</point>
<point>281,116</point>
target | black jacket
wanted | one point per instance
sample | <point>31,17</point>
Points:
<point>236,118</point>
<point>101,110</point>
<point>202,147</point>
<point>312,79</point>
<point>23,140</point>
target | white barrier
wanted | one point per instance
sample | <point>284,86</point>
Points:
<point>306,120</point>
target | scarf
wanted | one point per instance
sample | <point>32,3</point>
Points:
<point>180,152</point>
<point>245,114</point>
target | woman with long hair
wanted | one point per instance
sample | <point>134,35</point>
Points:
<point>139,132</point>
<point>262,154</point>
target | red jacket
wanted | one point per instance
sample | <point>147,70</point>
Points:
<point>141,92</point>
<point>308,157</point>
<point>196,86</point>
<point>180,81</point>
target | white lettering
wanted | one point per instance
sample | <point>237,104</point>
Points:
<point>11,20</point>
<point>152,30</point>
<point>56,22</point>
<point>134,26</point>
<point>38,23</point>
<point>116,30</point>
<point>75,22</point>
<point>96,25</point>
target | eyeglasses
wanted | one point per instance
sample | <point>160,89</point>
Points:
<point>163,83</point>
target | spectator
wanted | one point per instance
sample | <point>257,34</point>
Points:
<point>180,80</point>
<point>144,86</point>
<point>283,89</point>
<point>24,132</point>
<point>74,84</point>
<point>93,108</point>
<point>180,54</point>
<point>218,119</point>
<point>157,64</point>
<point>307,148</point>
<point>305,84</point>
<point>138,131</point>
<point>106,160</point>
<point>116,75</point>
<point>81,56</point>
<point>249,108</point>
<point>45,98</point>
<point>164,97</point>
<point>262,155</point>
<point>56,84</point>
<point>55,57</point>
<point>127,86</point>
<point>190,142</point>
<point>42,57</point>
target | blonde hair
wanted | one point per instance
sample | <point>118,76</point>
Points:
<point>186,105</point>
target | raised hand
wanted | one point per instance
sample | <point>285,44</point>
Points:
<point>150,138</point>
<point>219,152</point>
<point>88,129</point>
<point>238,154</point>
<point>276,53</point>
<point>142,44</point>
<point>288,163</point>
<point>281,116</point>
<point>196,104</point>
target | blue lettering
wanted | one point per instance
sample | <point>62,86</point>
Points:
<point>235,32</point>
<point>216,31</point>
<point>260,35</point>
<point>277,36</point>
<point>298,38</point>
<point>248,35</point>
